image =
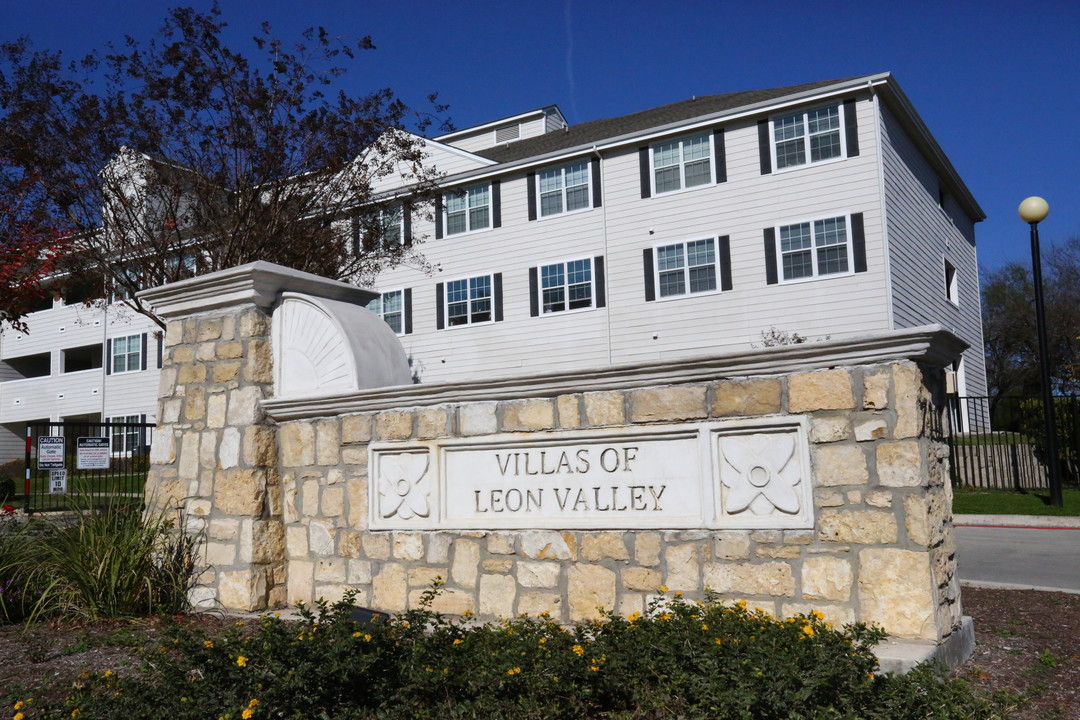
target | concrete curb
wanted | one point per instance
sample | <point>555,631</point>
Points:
<point>1015,586</point>
<point>1018,521</point>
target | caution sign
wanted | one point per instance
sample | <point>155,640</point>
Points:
<point>50,452</point>
<point>92,453</point>
<point>58,482</point>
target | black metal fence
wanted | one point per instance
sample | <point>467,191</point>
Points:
<point>1000,442</point>
<point>80,464</point>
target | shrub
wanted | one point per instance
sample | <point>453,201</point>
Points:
<point>678,660</point>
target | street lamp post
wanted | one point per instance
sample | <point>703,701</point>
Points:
<point>1033,211</point>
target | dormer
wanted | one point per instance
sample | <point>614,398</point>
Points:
<point>507,130</point>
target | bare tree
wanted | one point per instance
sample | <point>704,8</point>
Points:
<point>179,155</point>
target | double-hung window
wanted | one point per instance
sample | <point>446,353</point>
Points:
<point>686,268</point>
<point>126,355</point>
<point>468,209</point>
<point>566,286</point>
<point>390,306</point>
<point>390,226</point>
<point>126,435</point>
<point>469,301</point>
<point>564,189</point>
<point>808,136</point>
<point>815,248</point>
<point>682,163</point>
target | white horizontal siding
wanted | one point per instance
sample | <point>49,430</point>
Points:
<point>922,235</point>
<point>485,139</point>
<point>12,443</point>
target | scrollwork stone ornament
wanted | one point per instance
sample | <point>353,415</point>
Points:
<point>761,473</point>
<point>404,486</point>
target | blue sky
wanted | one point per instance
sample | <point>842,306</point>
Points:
<point>998,83</point>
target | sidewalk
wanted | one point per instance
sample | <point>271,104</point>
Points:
<point>1018,521</point>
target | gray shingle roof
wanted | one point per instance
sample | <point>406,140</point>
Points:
<point>599,130</point>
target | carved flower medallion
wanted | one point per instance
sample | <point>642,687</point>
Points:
<point>403,486</point>
<point>761,473</point>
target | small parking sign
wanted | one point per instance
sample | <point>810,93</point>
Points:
<point>58,482</point>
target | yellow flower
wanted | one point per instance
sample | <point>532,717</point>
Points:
<point>663,588</point>
<point>19,705</point>
<point>704,626</point>
<point>241,661</point>
<point>594,668</point>
<point>367,638</point>
<point>818,615</point>
<point>248,713</point>
<point>18,716</point>
<point>741,604</point>
<point>808,631</point>
<point>870,675</point>
<point>718,641</point>
<point>75,712</point>
<point>666,616</point>
<point>240,623</point>
<point>208,643</point>
<point>514,671</point>
<point>253,703</point>
<point>458,641</point>
<point>634,616</point>
<point>107,673</point>
<point>467,613</point>
<point>678,594</point>
<point>357,634</point>
<point>578,650</point>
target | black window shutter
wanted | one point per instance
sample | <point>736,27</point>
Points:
<point>770,256</point>
<point>498,297</point>
<point>142,359</point>
<point>438,217</point>
<point>407,310</point>
<point>597,193</point>
<point>142,435</point>
<point>646,172</point>
<point>650,282</point>
<point>858,242</point>
<point>440,314</point>
<point>406,221</point>
<point>108,357</point>
<point>160,343</point>
<point>851,128</point>
<point>496,203</point>
<point>721,155</point>
<point>724,241</point>
<point>356,236</point>
<point>764,149</point>
<point>530,182</point>
<point>598,273</point>
<point>369,240</point>
<point>534,293</point>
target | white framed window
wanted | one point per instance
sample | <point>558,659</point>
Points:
<point>807,136</point>
<point>687,268</point>
<point>469,301</point>
<point>564,189</point>
<point>814,248</point>
<point>566,286</point>
<point>126,438</point>
<point>682,163</point>
<point>390,224</point>
<point>468,209</point>
<point>390,306</point>
<point>952,289</point>
<point>126,354</point>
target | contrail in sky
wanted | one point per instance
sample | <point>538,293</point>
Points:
<point>570,59</point>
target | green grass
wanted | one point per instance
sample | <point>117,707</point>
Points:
<point>995,438</point>
<point>971,501</point>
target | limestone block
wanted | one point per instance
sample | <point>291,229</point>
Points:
<point>538,574</point>
<point>839,464</point>
<point>451,601</point>
<point>226,371</point>
<point>208,449</point>
<point>589,588</point>
<point>253,323</point>
<point>204,351</point>
<point>259,446</point>
<point>647,549</point>
<point>296,541</point>
<point>170,410</point>
<point>258,366</point>
<point>223,529</point>
<point>497,595</point>
<point>854,497</point>
<point>478,418</point>
<point>356,429</point>
<point>163,447</point>
<point>879,498</point>
<point>874,428</point>
<point>643,579</point>
<point>731,545</point>
<point>394,425</point>
<point>208,329</point>
<point>786,552</point>
<point>297,441</point>
<point>497,565</point>
<point>432,422</point>
<point>327,442</point>
<point>203,597</point>
<point>820,390</point>
<point>356,491</point>
<point>683,568</point>
<point>630,603</point>
<point>194,404</point>
<point>244,406</point>
<point>544,545</point>
<point>174,332</point>
<point>771,578</point>
<point>182,355</point>
<point>240,492</point>
<point>899,464</point>
<point>389,589</point>
<point>349,544</point>
<point>766,536</point>
<point>330,570</point>
<point>605,408</point>
<point>681,402</point>
<point>500,543</point>
<point>242,589</point>
<point>267,541</point>
<point>828,498</point>
<point>333,502</point>
<point>830,428</point>
<point>876,389</point>
<point>189,374</point>
<point>376,546</point>
<point>827,578</point>
<point>865,527</point>
<point>838,615</point>
<point>896,592</point>
<point>359,572</point>
<point>228,455</point>
<point>569,411</point>
<point>599,546</point>
<point>438,550</point>
<point>799,537</point>
<point>355,457</point>
<point>301,581</point>
<point>466,562</point>
<point>907,391</point>
<point>309,502</point>
<point>535,603</point>
<point>747,397</point>
<point>408,546</point>
<point>528,415</point>
<point>215,410</point>
<point>321,537</point>
<point>218,554</point>
<point>423,577</point>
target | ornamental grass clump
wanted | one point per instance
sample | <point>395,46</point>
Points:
<point>679,659</point>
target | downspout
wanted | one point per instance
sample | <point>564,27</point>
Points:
<point>607,260</point>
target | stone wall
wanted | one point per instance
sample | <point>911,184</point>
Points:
<point>281,492</point>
